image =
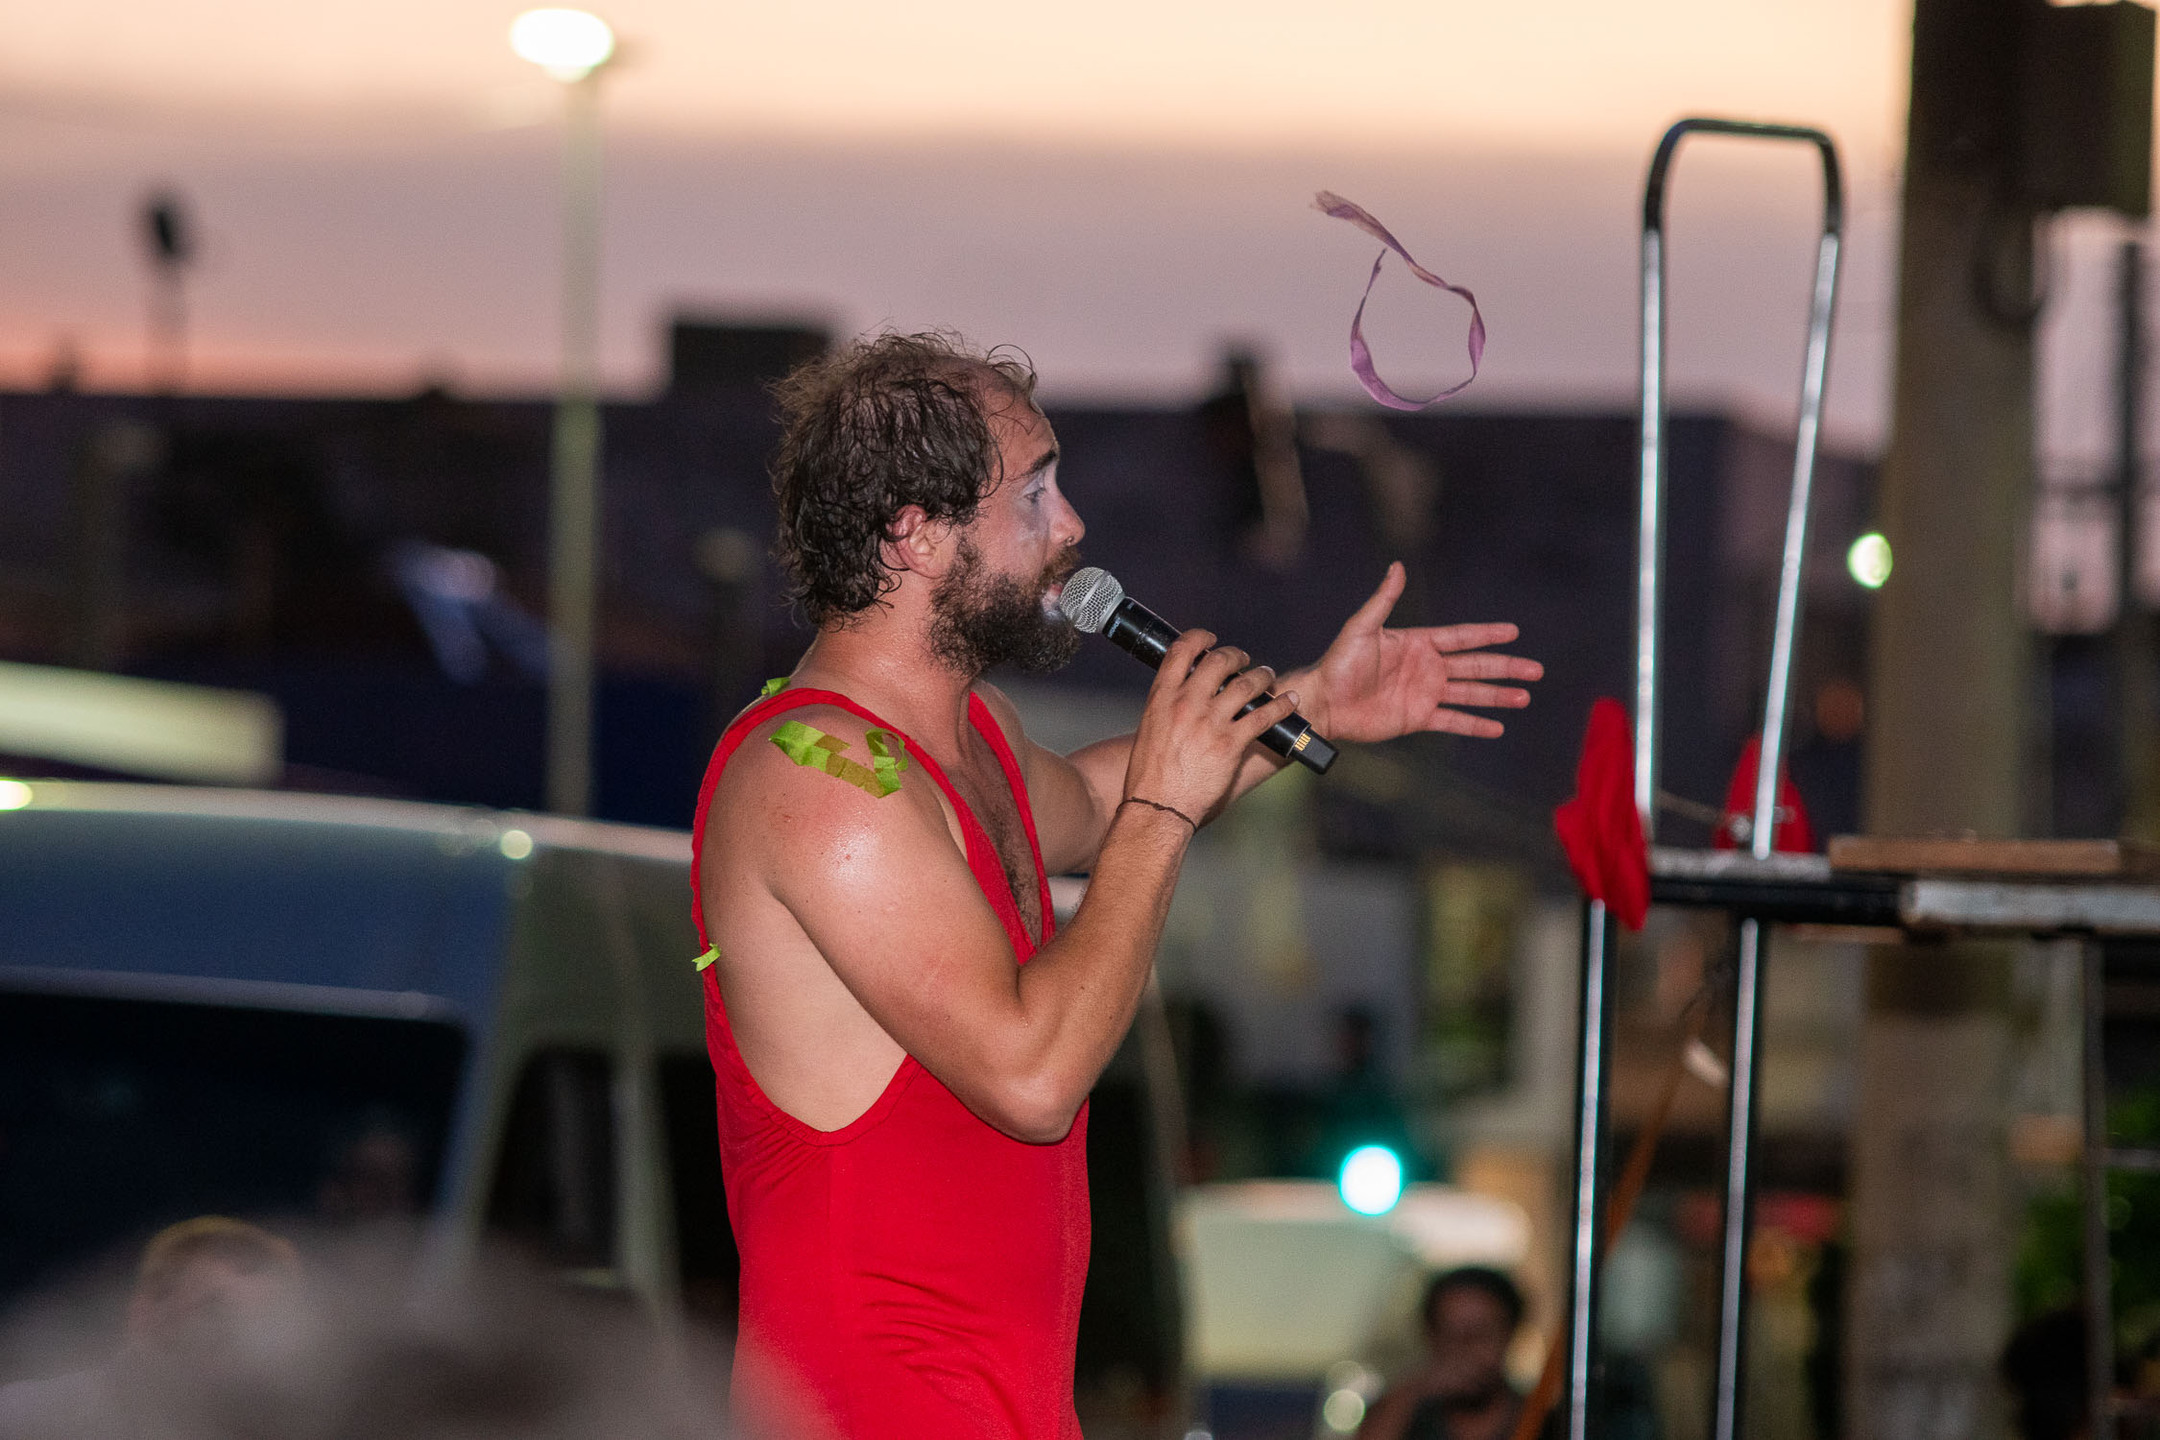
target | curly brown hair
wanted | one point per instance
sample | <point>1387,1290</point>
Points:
<point>882,424</point>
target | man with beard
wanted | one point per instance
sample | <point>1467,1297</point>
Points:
<point>904,1042</point>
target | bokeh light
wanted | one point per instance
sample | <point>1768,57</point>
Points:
<point>1869,559</point>
<point>14,795</point>
<point>568,44</point>
<point>1343,1411</point>
<point>1371,1180</point>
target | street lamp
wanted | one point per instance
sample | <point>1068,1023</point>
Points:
<point>568,44</point>
<point>573,47</point>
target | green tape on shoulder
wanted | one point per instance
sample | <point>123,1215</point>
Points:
<point>888,757</point>
<point>799,742</point>
<point>773,686</point>
<point>813,748</point>
<point>705,961</point>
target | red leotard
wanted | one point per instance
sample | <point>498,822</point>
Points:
<point>915,1274</point>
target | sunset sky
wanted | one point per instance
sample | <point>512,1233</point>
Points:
<point>1118,187</point>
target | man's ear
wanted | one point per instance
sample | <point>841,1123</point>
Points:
<point>916,543</point>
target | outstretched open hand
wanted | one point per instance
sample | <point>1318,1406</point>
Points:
<point>1376,683</point>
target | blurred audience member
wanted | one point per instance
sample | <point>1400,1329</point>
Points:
<point>1461,1391</point>
<point>368,1350</point>
<point>373,1176</point>
<point>2044,1366</point>
<point>202,1286</point>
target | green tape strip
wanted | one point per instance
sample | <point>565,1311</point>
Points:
<point>811,747</point>
<point>773,686</point>
<point>798,742</point>
<point>888,757</point>
<point>704,961</point>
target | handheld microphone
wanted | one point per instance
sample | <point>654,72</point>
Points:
<point>1094,601</point>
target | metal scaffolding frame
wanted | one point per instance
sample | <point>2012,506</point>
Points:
<point>1803,889</point>
<point>1760,888</point>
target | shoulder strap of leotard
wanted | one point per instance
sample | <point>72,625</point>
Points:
<point>987,726</point>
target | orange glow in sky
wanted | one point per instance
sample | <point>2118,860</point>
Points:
<point>1563,74</point>
<point>1120,186</point>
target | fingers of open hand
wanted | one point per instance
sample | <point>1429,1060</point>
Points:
<point>1470,692</point>
<point>1457,722</point>
<point>1451,638</point>
<point>1484,665</point>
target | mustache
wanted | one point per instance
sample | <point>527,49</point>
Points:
<point>1062,568</point>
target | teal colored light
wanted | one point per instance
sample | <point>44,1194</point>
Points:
<point>1371,1180</point>
<point>1869,559</point>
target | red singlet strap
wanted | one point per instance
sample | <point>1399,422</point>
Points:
<point>987,726</point>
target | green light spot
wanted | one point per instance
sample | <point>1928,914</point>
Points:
<point>1869,559</point>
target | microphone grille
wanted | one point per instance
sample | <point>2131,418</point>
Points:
<point>1089,597</point>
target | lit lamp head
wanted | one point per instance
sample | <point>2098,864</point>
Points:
<point>568,44</point>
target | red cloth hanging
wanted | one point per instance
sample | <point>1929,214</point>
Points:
<point>1600,828</point>
<point>1791,830</point>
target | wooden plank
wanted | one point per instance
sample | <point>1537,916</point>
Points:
<point>1972,855</point>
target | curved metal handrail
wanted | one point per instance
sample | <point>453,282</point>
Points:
<point>1650,543</point>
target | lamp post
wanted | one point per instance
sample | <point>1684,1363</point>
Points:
<point>169,240</point>
<point>573,47</point>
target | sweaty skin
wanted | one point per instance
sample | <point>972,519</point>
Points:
<point>849,929</point>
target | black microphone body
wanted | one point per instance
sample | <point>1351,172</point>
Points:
<point>1146,636</point>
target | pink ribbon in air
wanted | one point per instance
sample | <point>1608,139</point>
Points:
<point>1327,202</point>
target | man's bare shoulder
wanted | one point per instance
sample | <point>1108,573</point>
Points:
<point>820,780</point>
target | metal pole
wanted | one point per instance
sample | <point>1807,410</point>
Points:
<point>1589,1123</point>
<point>1650,532</point>
<point>574,507</point>
<point>1739,1196</point>
<point>2099,1307</point>
<point>2135,699</point>
<point>1770,762</point>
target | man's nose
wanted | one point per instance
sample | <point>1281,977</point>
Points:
<point>1070,527</point>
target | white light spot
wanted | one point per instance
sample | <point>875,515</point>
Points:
<point>1371,1180</point>
<point>516,844</point>
<point>568,44</point>
<point>14,794</point>
<point>1869,559</point>
<point>1342,1410</point>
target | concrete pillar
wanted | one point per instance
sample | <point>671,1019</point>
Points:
<point>1933,1220</point>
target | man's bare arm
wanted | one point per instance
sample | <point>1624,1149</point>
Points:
<point>1372,684</point>
<point>879,888</point>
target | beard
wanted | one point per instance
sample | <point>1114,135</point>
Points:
<point>980,620</point>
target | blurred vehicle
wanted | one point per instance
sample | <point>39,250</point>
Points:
<point>353,1011</point>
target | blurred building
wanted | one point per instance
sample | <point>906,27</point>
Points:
<point>297,547</point>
